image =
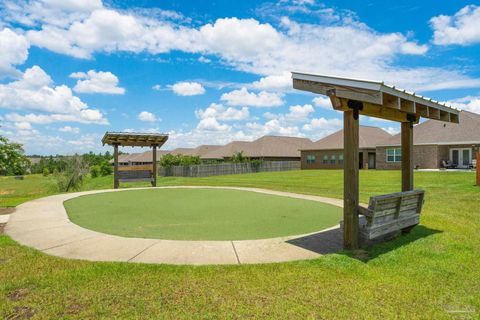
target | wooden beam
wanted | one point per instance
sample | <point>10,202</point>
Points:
<point>444,116</point>
<point>433,113</point>
<point>391,101</point>
<point>407,156</point>
<point>371,97</point>
<point>407,106</point>
<point>377,111</point>
<point>350,176</point>
<point>115,166</point>
<point>422,110</point>
<point>154,160</point>
<point>454,118</point>
<point>342,92</point>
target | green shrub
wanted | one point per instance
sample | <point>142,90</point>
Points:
<point>170,160</point>
<point>189,160</point>
<point>45,172</point>
<point>238,157</point>
<point>106,168</point>
<point>256,164</point>
<point>94,171</point>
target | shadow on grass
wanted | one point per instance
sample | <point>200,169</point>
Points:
<point>331,241</point>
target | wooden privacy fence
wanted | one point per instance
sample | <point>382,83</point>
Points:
<point>205,170</point>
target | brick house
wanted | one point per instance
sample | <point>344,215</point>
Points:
<point>327,153</point>
<point>435,141</point>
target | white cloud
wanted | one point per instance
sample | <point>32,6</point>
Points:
<point>97,82</point>
<point>463,28</point>
<point>273,127</point>
<point>147,116</point>
<point>322,102</point>
<point>211,124</point>
<point>469,103</point>
<point>14,51</point>
<point>34,91</point>
<point>296,114</point>
<point>23,125</point>
<point>188,88</point>
<point>220,112</point>
<point>321,127</point>
<point>157,87</point>
<point>203,59</point>
<point>109,30</point>
<point>243,97</point>
<point>85,116</point>
<point>279,82</point>
<point>49,12</point>
<point>248,45</point>
<point>391,130</point>
<point>69,129</point>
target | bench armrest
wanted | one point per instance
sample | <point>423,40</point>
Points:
<point>365,211</point>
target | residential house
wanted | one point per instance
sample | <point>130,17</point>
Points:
<point>435,142</point>
<point>327,153</point>
<point>268,148</point>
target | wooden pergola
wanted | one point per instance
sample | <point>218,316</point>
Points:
<point>373,99</point>
<point>124,139</point>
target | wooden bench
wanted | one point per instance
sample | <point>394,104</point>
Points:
<point>388,215</point>
<point>135,175</point>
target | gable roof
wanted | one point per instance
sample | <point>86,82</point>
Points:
<point>227,150</point>
<point>437,132</point>
<point>139,157</point>
<point>369,137</point>
<point>264,147</point>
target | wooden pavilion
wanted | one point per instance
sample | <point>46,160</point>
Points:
<point>374,99</point>
<point>125,139</point>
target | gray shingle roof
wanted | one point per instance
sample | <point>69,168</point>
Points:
<point>369,137</point>
<point>264,147</point>
<point>437,132</point>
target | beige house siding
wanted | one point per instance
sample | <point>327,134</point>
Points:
<point>424,156</point>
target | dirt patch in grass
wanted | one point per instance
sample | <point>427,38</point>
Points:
<point>7,210</point>
<point>17,294</point>
<point>2,227</point>
<point>21,312</point>
<point>74,308</point>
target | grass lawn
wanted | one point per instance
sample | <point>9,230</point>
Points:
<point>200,214</point>
<point>426,274</point>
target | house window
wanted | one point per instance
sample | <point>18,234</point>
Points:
<point>333,159</point>
<point>394,155</point>
<point>325,159</point>
<point>310,158</point>
<point>340,159</point>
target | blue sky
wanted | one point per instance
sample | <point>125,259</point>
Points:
<point>208,72</point>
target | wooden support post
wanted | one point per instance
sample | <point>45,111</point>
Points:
<point>154,165</point>
<point>115,166</point>
<point>407,156</point>
<point>350,176</point>
<point>478,169</point>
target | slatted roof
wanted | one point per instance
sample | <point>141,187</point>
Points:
<point>378,99</point>
<point>134,139</point>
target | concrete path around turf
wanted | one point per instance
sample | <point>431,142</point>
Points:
<point>43,224</point>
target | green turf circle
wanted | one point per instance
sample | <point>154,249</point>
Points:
<point>200,214</point>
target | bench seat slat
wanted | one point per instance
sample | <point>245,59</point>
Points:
<point>389,214</point>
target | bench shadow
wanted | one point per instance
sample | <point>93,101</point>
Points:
<point>331,241</point>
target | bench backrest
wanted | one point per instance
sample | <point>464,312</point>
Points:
<point>134,175</point>
<point>395,206</point>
